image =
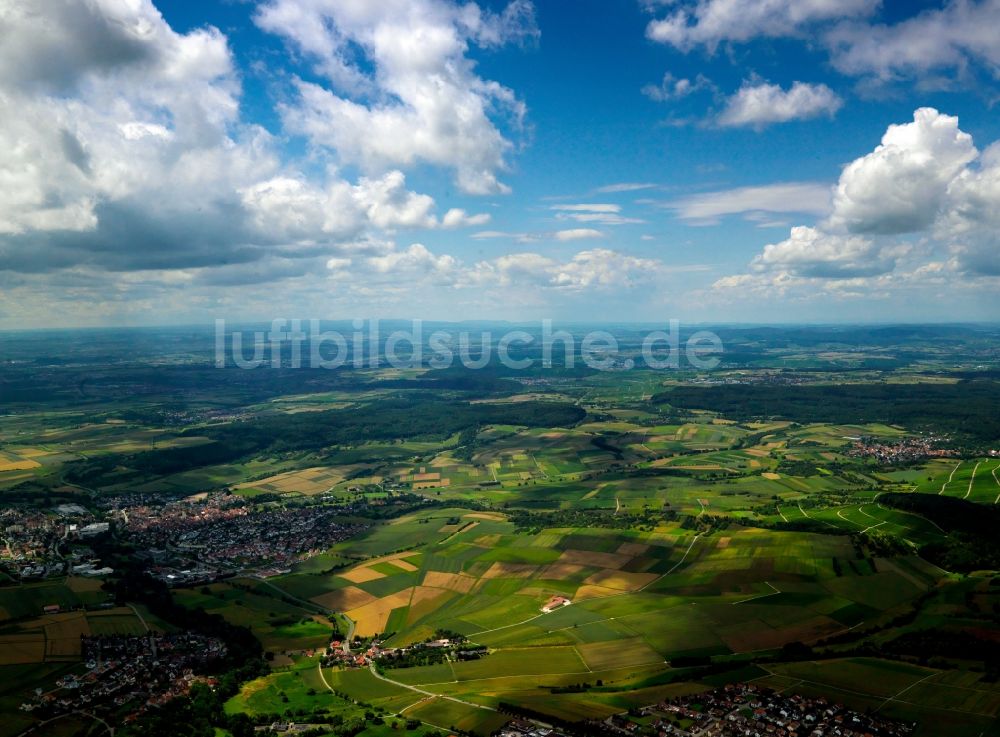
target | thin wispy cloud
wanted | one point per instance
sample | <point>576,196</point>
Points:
<point>791,197</point>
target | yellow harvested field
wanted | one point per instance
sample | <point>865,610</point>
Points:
<point>32,452</point>
<point>22,649</point>
<point>341,600</point>
<point>426,593</point>
<point>455,529</point>
<point>590,591</point>
<point>510,570</point>
<point>397,559</point>
<point>71,624</point>
<point>633,549</point>
<point>425,477</point>
<point>771,475</point>
<point>362,574</point>
<point>618,654</point>
<point>494,516</point>
<point>22,465</point>
<point>559,571</point>
<point>452,581</point>
<point>621,580</point>
<point>431,484</point>
<point>65,648</point>
<point>594,558</point>
<point>81,585</point>
<point>488,541</point>
<point>402,563</point>
<point>372,618</point>
<point>723,542</point>
<point>425,601</point>
<point>758,452</point>
<point>308,481</point>
<point>754,463</point>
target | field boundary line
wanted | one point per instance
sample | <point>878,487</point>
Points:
<point>622,593</point>
<point>895,698</point>
<point>828,524</point>
<point>840,513</point>
<point>522,675</point>
<point>141,620</point>
<point>862,510</point>
<point>900,693</point>
<point>950,477</point>
<point>872,527</point>
<point>427,695</point>
<point>539,467</point>
<point>912,514</point>
<point>760,596</point>
<point>972,480</point>
<point>674,568</point>
<point>381,677</point>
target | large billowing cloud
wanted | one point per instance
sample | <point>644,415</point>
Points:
<point>960,34</point>
<point>401,87</point>
<point>901,186</point>
<point>710,22</point>
<point>922,205</point>
<point>126,149</point>
<point>812,253</point>
<point>956,37</point>
<point>598,268</point>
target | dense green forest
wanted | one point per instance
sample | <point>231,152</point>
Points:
<point>417,416</point>
<point>971,543</point>
<point>965,408</point>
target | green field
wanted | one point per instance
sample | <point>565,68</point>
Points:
<point>695,521</point>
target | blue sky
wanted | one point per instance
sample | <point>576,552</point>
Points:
<point>709,160</point>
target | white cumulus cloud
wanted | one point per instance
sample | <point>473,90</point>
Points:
<point>925,180</point>
<point>960,34</point>
<point>758,104</point>
<point>128,152</point>
<point>710,22</point>
<point>577,234</point>
<point>402,89</point>
<point>900,187</point>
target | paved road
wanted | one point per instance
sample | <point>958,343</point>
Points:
<point>136,612</point>
<point>427,693</point>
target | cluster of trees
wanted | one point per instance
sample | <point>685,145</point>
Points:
<point>419,416</point>
<point>971,543</point>
<point>945,643</point>
<point>532,522</point>
<point>966,408</point>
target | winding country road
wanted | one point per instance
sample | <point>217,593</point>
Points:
<point>950,477</point>
<point>972,480</point>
